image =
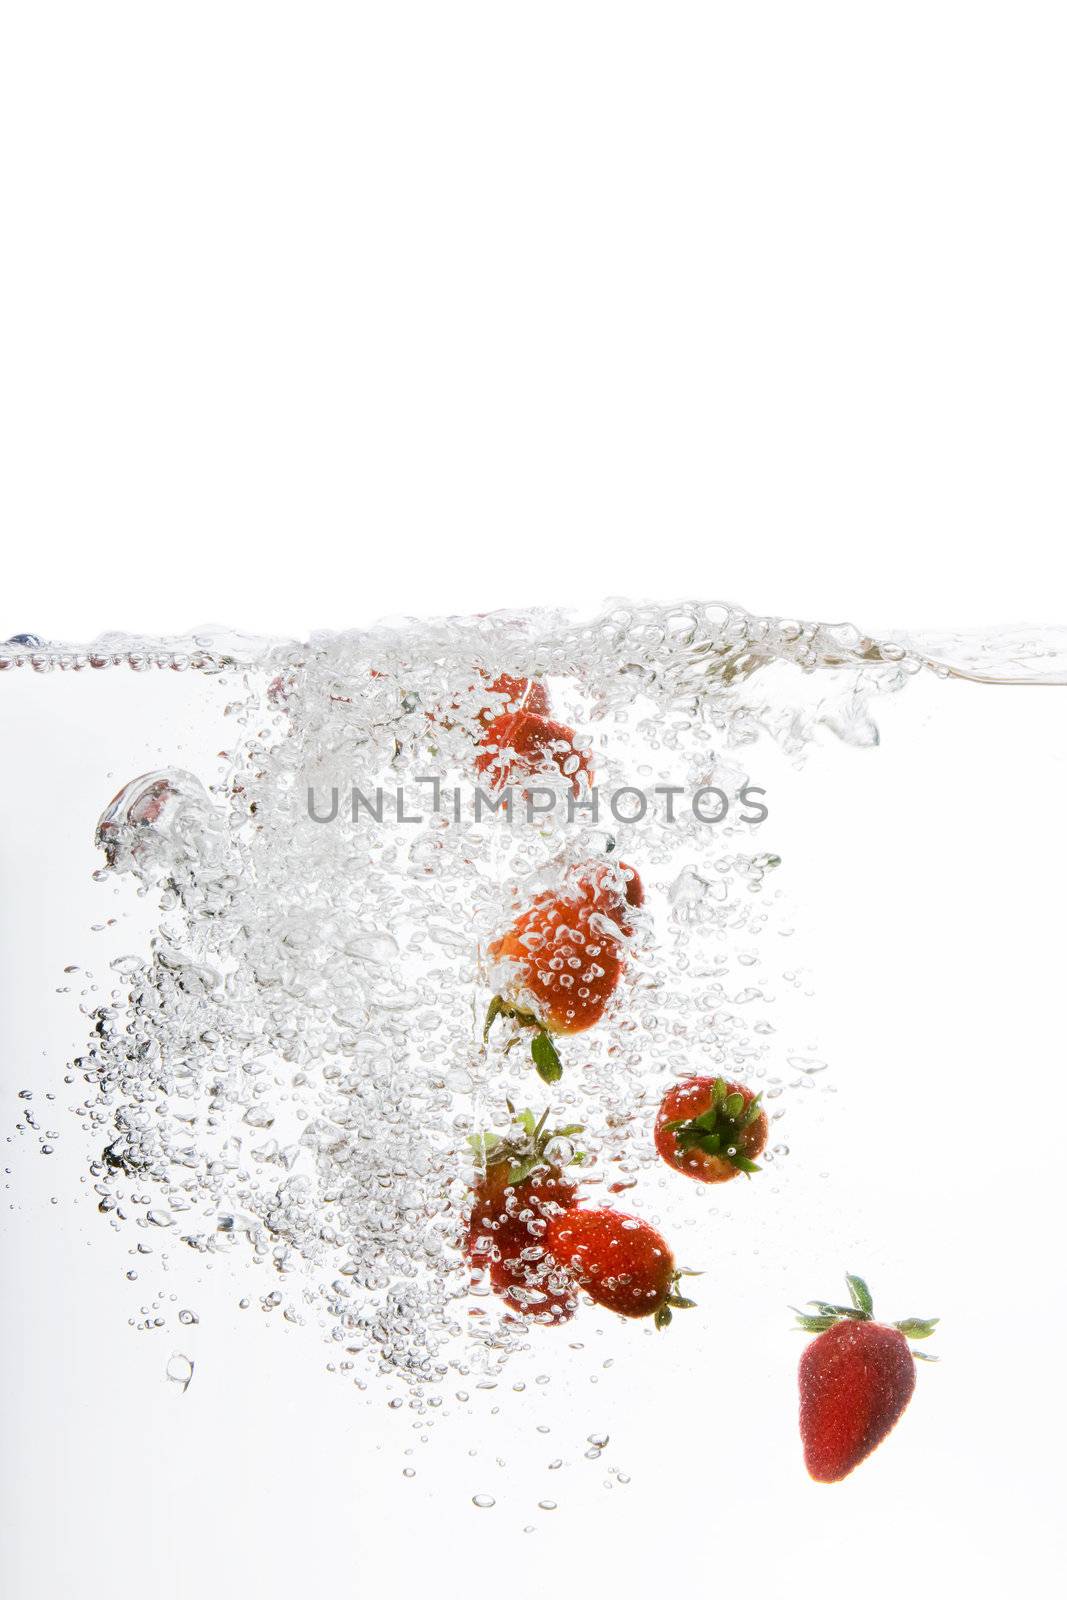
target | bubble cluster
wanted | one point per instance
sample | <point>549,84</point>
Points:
<point>294,1070</point>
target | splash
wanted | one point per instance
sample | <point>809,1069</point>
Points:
<point>720,640</point>
<point>295,1068</point>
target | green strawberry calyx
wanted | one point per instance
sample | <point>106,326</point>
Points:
<point>826,1315</point>
<point>720,1129</point>
<point>543,1051</point>
<point>528,1146</point>
<point>675,1301</point>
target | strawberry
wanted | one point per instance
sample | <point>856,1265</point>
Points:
<point>621,1262</point>
<point>617,890</point>
<point>710,1129</point>
<point>481,702</point>
<point>523,743</point>
<point>521,694</point>
<point>522,1184</point>
<point>560,963</point>
<point>856,1379</point>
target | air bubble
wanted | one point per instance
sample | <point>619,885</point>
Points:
<point>325,981</point>
<point>180,1370</point>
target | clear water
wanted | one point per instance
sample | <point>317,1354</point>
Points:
<point>266,1063</point>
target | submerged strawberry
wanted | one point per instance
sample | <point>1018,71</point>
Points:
<point>521,1187</point>
<point>520,694</point>
<point>856,1380</point>
<point>522,744</point>
<point>710,1129</point>
<point>559,962</point>
<point>621,1262</point>
<point>481,702</point>
<point>617,890</point>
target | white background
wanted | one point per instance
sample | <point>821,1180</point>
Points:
<point>312,313</point>
<point>316,311</point>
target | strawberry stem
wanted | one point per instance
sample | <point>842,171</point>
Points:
<point>861,1295</point>
<point>674,1301</point>
<point>827,1315</point>
<point>543,1051</point>
<point>526,1148</point>
<point>719,1130</point>
<point>546,1057</point>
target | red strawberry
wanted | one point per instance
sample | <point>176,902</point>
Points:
<point>527,1281</point>
<point>521,1187</point>
<point>710,1129</point>
<point>483,702</point>
<point>856,1379</point>
<point>522,744</point>
<point>558,967</point>
<point>621,1262</point>
<point>617,890</point>
<point>522,694</point>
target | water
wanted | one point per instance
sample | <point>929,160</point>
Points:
<point>723,639</point>
<point>267,1074</point>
